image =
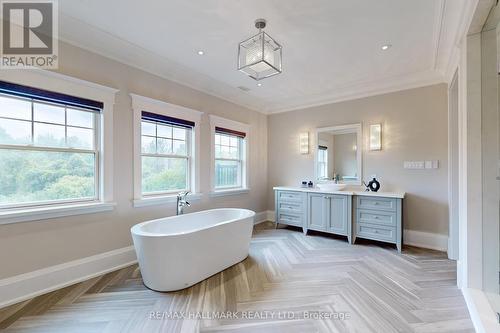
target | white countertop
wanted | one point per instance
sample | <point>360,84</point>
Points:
<point>398,195</point>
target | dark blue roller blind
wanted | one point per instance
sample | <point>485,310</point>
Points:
<point>228,131</point>
<point>49,96</point>
<point>167,120</point>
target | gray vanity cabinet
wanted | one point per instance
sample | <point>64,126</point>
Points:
<point>379,218</point>
<point>330,213</point>
<point>317,207</point>
<point>291,208</point>
<point>354,214</point>
<point>340,215</point>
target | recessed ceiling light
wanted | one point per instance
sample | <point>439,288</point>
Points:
<point>386,47</point>
<point>201,52</point>
<point>259,84</point>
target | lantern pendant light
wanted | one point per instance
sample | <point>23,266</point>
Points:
<point>259,56</point>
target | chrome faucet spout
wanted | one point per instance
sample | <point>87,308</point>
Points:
<point>182,202</point>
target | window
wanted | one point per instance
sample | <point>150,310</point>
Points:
<point>322,162</point>
<point>49,147</point>
<point>228,158</point>
<point>165,154</point>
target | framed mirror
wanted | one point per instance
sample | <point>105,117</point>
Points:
<point>338,154</point>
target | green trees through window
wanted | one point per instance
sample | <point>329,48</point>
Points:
<point>165,157</point>
<point>47,153</point>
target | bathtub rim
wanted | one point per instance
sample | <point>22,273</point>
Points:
<point>137,228</point>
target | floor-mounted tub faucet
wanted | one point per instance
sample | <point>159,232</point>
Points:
<point>182,202</point>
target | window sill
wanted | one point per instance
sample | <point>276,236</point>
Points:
<point>160,200</point>
<point>51,212</point>
<point>234,191</point>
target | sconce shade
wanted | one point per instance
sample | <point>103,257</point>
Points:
<point>376,137</point>
<point>304,143</point>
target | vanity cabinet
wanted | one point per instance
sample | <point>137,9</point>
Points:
<point>375,216</point>
<point>329,213</point>
<point>291,208</point>
<point>378,218</point>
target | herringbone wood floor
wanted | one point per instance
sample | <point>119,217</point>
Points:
<point>377,288</point>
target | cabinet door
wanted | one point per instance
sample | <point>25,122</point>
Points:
<point>317,211</point>
<point>338,211</point>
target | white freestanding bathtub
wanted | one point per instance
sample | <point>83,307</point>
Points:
<point>179,251</point>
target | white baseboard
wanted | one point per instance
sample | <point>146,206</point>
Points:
<point>26,286</point>
<point>271,216</point>
<point>482,315</point>
<point>264,216</point>
<point>426,240</point>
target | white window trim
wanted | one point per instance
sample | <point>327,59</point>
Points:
<point>142,103</point>
<point>216,121</point>
<point>64,84</point>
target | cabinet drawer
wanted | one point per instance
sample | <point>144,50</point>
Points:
<point>367,202</point>
<point>376,232</point>
<point>376,217</point>
<point>290,219</point>
<point>285,196</point>
<point>291,206</point>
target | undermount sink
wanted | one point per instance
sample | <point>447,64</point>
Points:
<point>330,186</point>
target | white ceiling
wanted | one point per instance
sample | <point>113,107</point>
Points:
<point>331,48</point>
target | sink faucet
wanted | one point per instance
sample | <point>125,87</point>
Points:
<point>181,202</point>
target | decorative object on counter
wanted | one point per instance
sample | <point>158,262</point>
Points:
<point>376,137</point>
<point>336,178</point>
<point>367,188</point>
<point>310,184</point>
<point>304,143</point>
<point>374,185</point>
<point>304,184</point>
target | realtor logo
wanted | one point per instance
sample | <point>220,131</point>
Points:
<point>29,31</point>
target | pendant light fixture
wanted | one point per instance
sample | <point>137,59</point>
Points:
<point>259,56</point>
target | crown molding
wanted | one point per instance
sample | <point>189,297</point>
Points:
<point>456,20</point>
<point>374,88</point>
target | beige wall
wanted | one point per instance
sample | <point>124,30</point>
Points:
<point>29,246</point>
<point>414,124</point>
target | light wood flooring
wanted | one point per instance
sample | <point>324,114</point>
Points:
<point>287,279</point>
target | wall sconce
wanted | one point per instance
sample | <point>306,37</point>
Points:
<point>304,143</point>
<point>376,137</point>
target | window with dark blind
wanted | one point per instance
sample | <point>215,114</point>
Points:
<point>165,154</point>
<point>49,147</point>
<point>228,158</point>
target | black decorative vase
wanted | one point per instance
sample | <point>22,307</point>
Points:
<point>374,185</point>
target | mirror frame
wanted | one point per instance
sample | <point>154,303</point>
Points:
<point>343,129</point>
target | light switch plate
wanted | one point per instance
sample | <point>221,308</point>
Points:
<point>414,164</point>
